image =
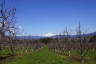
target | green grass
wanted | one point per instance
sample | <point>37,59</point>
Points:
<point>39,57</point>
<point>4,52</point>
<point>23,51</point>
<point>44,56</point>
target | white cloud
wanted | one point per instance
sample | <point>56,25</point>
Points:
<point>20,27</point>
<point>48,34</point>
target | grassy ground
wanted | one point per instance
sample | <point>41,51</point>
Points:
<point>6,51</point>
<point>44,56</point>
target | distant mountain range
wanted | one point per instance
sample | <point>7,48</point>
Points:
<point>91,34</point>
<point>29,37</point>
<point>75,36</point>
<point>55,36</point>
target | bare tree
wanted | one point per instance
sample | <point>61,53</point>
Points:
<point>7,22</point>
<point>67,40</point>
<point>83,43</point>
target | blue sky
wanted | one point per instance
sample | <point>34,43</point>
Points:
<point>52,16</point>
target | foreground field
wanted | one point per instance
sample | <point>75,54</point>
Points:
<point>44,56</point>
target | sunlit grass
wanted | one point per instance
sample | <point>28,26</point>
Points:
<point>44,56</point>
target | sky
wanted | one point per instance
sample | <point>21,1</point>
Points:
<point>39,17</point>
